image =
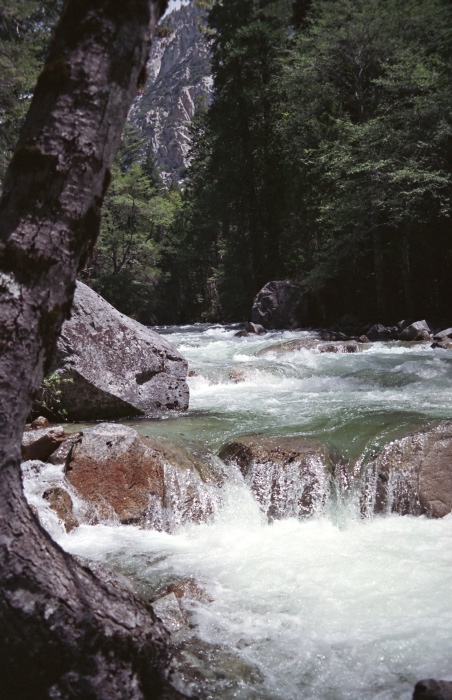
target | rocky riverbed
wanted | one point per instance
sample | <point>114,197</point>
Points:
<point>311,557</point>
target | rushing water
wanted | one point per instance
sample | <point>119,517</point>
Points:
<point>333,607</point>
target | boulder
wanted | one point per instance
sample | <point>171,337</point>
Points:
<point>61,503</point>
<point>379,332</point>
<point>61,453</point>
<point>419,330</point>
<point>442,344</point>
<point>338,346</point>
<point>311,344</point>
<point>41,443</point>
<point>281,305</point>
<point>254,329</point>
<point>432,690</point>
<point>145,481</point>
<point>443,335</point>
<point>412,475</point>
<point>39,422</point>
<point>289,476</point>
<point>118,367</point>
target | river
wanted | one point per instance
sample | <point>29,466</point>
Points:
<point>335,607</point>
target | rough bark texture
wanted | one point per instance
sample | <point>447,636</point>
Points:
<point>63,633</point>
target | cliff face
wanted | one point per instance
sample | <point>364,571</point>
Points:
<point>178,78</point>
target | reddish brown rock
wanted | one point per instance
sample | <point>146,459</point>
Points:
<point>61,503</point>
<point>141,480</point>
<point>289,476</point>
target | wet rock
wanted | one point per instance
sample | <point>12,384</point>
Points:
<point>61,503</point>
<point>443,335</point>
<point>433,690</point>
<point>61,453</point>
<point>168,610</point>
<point>241,334</point>
<point>281,305</point>
<point>41,443</point>
<point>145,481</point>
<point>412,475</point>
<point>343,347</point>
<point>313,345</point>
<point>190,589</point>
<point>378,332</point>
<point>255,329</point>
<point>118,367</point>
<point>363,339</point>
<point>289,476</point>
<point>442,344</point>
<point>237,375</point>
<point>39,423</point>
<point>420,330</point>
<point>290,346</point>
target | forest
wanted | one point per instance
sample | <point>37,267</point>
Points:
<point>324,159</point>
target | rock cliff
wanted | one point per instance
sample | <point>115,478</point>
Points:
<point>178,80</point>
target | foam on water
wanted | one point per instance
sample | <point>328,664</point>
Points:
<point>334,607</point>
<point>325,612</point>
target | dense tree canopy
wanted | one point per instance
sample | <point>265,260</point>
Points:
<point>326,156</point>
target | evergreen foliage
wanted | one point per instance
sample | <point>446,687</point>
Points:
<point>326,156</point>
<point>137,218</point>
<point>325,159</point>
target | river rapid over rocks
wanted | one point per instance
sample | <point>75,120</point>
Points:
<point>340,605</point>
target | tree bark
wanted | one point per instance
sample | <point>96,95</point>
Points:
<point>63,633</point>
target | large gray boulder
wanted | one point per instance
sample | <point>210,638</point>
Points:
<point>419,330</point>
<point>281,305</point>
<point>118,367</point>
<point>412,475</point>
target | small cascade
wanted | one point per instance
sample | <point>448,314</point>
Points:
<point>298,490</point>
<point>187,499</point>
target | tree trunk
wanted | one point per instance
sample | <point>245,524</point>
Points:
<point>63,633</point>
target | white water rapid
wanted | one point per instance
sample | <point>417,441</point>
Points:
<point>334,607</point>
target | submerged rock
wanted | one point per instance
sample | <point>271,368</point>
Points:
<point>289,476</point>
<point>144,481</point>
<point>312,344</point>
<point>412,475</point>
<point>281,305</point>
<point>61,503</point>
<point>117,366</point>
